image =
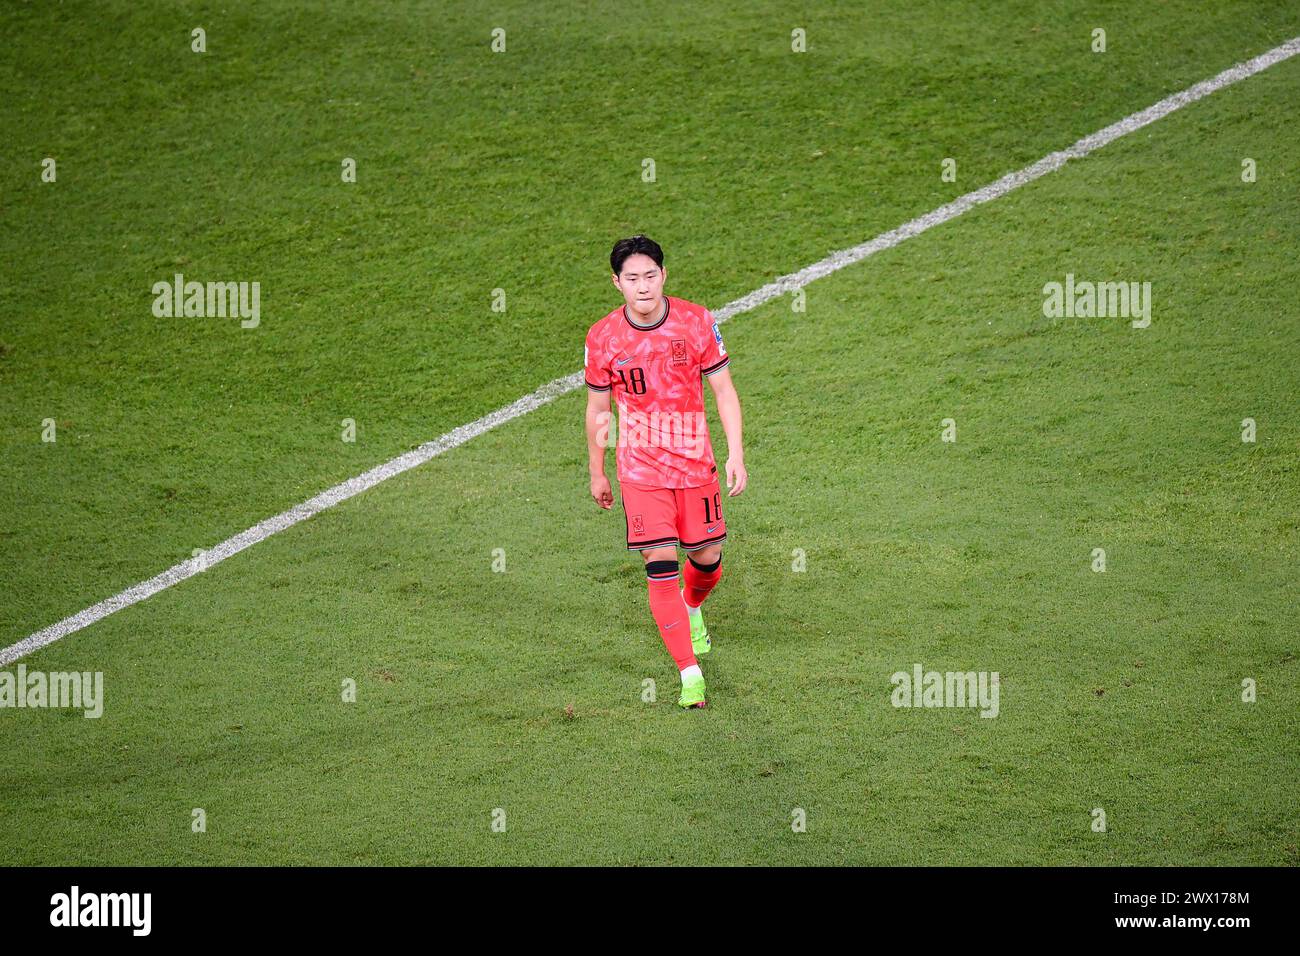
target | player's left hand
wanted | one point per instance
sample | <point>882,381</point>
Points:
<point>737,476</point>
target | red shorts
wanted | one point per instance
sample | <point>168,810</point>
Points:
<point>666,517</point>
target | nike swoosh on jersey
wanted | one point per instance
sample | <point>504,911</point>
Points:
<point>624,361</point>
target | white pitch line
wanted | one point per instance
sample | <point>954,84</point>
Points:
<point>560,386</point>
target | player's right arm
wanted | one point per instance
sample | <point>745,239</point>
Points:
<point>598,414</point>
<point>599,391</point>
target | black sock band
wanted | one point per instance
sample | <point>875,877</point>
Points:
<point>706,568</point>
<point>655,568</point>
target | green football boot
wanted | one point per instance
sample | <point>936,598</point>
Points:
<point>692,693</point>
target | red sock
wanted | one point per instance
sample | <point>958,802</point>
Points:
<point>700,581</point>
<point>669,611</point>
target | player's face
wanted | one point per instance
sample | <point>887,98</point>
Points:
<point>642,285</point>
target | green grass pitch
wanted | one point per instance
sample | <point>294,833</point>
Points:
<point>521,691</point>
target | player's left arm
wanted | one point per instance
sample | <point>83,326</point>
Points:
<point>728,402</point>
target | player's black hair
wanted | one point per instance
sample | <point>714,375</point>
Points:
<point>632,246</point>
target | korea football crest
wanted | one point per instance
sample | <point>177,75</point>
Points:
<point>679,352</point>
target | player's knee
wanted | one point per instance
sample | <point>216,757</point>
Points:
<point>707,558</point>
<point>659,554</point>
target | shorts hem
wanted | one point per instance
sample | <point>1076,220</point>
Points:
<point>695,546</point>
<point>661,543</point>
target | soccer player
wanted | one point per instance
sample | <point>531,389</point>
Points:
<point>652,355</point>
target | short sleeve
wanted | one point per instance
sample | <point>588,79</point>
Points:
<point>713,357</point>
<point>594,370</point>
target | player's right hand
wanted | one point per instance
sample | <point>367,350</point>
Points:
<point>601,492</point>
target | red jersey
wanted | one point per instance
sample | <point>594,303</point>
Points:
<point>656,376</point>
